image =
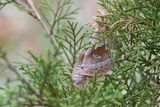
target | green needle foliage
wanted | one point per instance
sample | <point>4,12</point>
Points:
<point>72,41</point>
<point>134,80</point>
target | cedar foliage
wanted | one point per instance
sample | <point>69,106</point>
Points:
<point>47,83</point>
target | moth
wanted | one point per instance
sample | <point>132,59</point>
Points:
<point>88,63</point>
<point>97,59</point>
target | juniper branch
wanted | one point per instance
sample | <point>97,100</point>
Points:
<point>14,70</point>
<point>39,18</point>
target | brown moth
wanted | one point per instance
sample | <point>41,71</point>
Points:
<point>88,63</point>
<point>96,59</point>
